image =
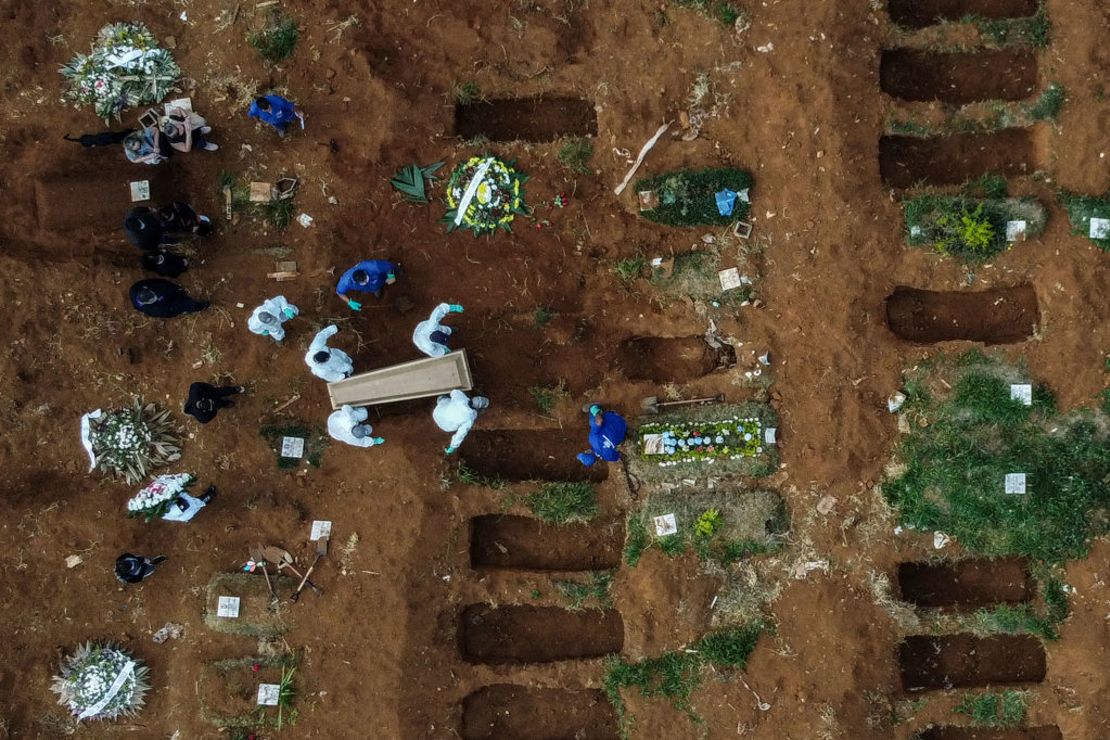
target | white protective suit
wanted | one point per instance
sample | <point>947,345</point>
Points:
<point>422,336</point>
<point>343,420</point>
<point>277,307</point>
<point>338,365</point>
<point>176,514</point>
<point>454,413</point>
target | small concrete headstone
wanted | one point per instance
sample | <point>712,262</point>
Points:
<point>1100,228</point>
<point>895,402</point>
<point>321,529</point>
<point>1015,231</point>
<point>940,540</point>
<point>665,525</point>
<point>268,694</point>
<point>1015,483</point>
<point>140,190</point>
<point>769,435</point>
<point>292,447</point>
<point>730,278</point>
<point>228,607</point>
<point>304,220</point>
<point>915,231</point>
<point>1022,392</point>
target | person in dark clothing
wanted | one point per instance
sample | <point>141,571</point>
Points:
<point>206,399</point>
<point>163,299</point>
<point>144,228</point>
<point>166,264</point>
<point>179,219</point>
<point>135,568</point>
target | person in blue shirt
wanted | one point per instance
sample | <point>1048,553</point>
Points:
<point>607,430</point>
<point>276,111</point>
<point>368,276</point>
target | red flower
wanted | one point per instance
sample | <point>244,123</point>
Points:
<point>256,667</point>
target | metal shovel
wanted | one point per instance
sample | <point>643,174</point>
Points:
<point>321,551</point>
<point>282,559</point>
<point>256,556</point>
<point>652,404</point>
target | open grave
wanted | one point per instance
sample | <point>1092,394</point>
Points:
<point>966,584</point>
<point>542,118</point>
<point>503,541</point>
<point>537,634</point>
<point>529,454</point>
<point>510,711</point>
<point>911,74</point>
<point>954,661</point>
<point>998,316</point>
<point>1048,732</point>
<point>258,614</point>
<point>905,161</point>
<point>671,359</point>
<point>921,13</point>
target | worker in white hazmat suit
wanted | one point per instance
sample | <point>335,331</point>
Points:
<point>430,337</point>
<point>268,318</point>
<point>327,363</point>
<point>348,424</point>
<point>457,413</point>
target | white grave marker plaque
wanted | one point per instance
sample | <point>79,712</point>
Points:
<point>268,694</point>
<point>665,525</point>
<point>1015,483</point>
<point>1100,228</point>
<point>292,447</point>
<point>1022,392</point>
<point>1015,231</point>
<point>228,607</point>
<point>140,191</point>
<point>730,278</point>
<point>769,435</point>
<point>321,529</point>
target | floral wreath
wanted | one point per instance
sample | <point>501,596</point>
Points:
<point>484,194</point>
<point>156,499</point>
<point>101,682</point>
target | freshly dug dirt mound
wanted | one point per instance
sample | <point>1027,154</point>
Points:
<point>667,359</point>
<point>953,661</point>
<point>537,634</point>
<point>499,541</point>
<point>966,584</point>
<point>911,74</point>
<point>526,119</point>
<point>999,316</point>
<point>509,711</point>
<point>921,13</point>
<point>949,160</point>
<point>529,454</point>
<point>987,733</point>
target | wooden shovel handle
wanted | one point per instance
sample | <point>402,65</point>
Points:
<point>297,594</point>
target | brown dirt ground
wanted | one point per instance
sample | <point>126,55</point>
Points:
<point>379,651</point>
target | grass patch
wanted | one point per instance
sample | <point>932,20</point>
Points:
<point>676,675</point>
<point>721,525</point>
<point>575,154</point>
<point>278,213</point>
<point>315,442</point>
<point>967,228</point>
<point>1034,30</point>
<point>542,316</point>
<point>995,710</point>
<point>547,397</point>
<point>724,12</point>
<point>695,275</point>
<point>467,93</point>
<point>228,691</point>
<point>967,434</point>
<point>630,268</point>
<point>1081,209</point>
<point>594,591</point>
<point>687,197</point>
<point>562,502</point>
<point>1049,104</point>
<point>276,41</point>
<point>466,475</point>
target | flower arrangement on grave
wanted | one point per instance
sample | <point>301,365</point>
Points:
<point>681,442</point>
<point>158,496</point>
<point>125,68</point>
<point>484,194</point>
<point>101,682</point>
<point>127,443</point>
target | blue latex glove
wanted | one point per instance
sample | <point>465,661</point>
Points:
<point>455,308</point>
<point>355,305</point>
<point>379,440</point>
<point>390,278</point>
<point>595,410</point>
<point>289,313</point>
<point>449,450</point>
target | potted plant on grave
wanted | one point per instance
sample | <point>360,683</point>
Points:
<point>125,68</point>
<point>714,196</point>
<point>127,443</point>
<point>101,682</point>
<point>484,194</point>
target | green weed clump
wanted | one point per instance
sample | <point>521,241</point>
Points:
<point>967,434</point>
<point>277,40</point>
<point>968,228</point>
<point>1034,30</point>
<point>724,12</point>
<point>575,155</point>
<point>1049,104</point>
<point>594,590</point>
<point>630,268</point>
<point>995,710</point>
<point>688,197</point>
<point>1081,209</point>
<point>562,502</point>
<point>676,675</point>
